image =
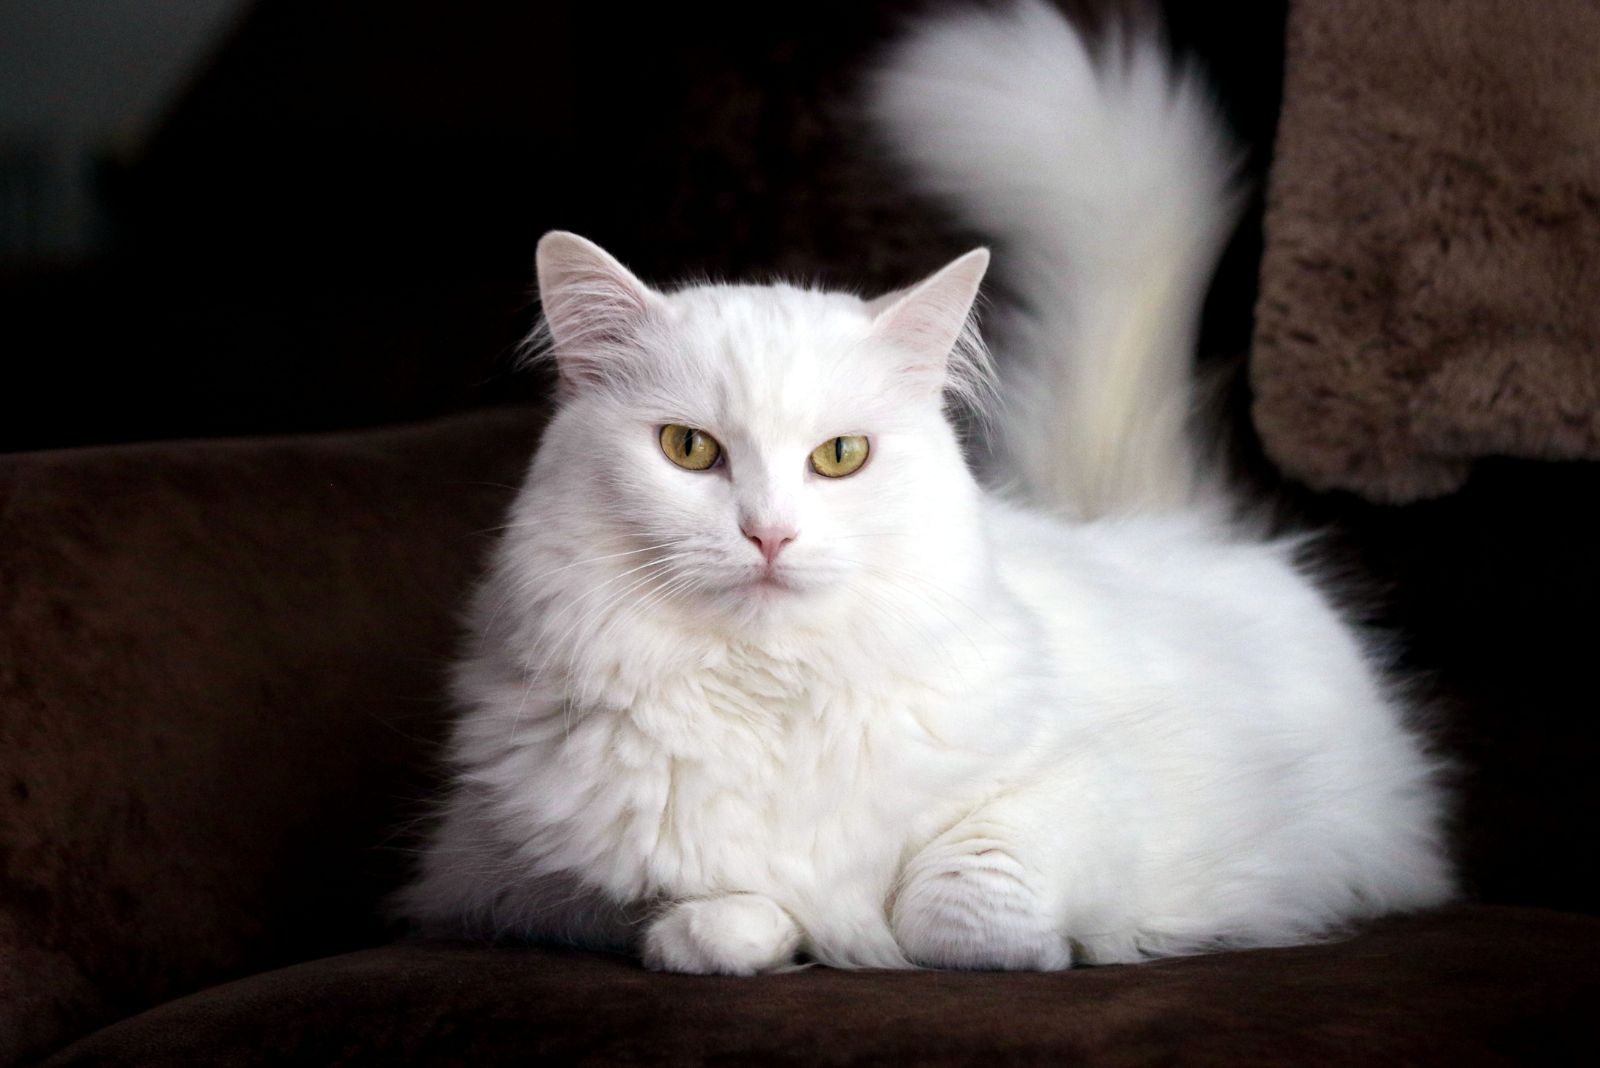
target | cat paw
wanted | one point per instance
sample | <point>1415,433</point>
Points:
<point>970,904</point>
<point>732,934</point>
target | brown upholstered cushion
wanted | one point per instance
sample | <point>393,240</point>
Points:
<point>1468,985</point>
<point>219,669</point>
<point>1428,292</point>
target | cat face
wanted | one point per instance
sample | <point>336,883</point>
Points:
<point>758,445</point>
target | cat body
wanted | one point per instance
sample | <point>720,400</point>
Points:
<point>726,714</point>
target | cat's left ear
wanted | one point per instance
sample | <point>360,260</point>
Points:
<point>594,306</point>
<point>926,320</point>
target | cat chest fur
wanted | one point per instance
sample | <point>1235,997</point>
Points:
<point>754,774</point>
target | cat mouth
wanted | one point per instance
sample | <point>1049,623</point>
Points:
<point>767,581</point>
<point>759,584</point>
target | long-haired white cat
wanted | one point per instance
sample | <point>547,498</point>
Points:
<point>761,671</point>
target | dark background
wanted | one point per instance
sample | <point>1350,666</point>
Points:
<point>333,226</point>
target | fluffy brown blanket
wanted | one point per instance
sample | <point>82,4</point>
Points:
<point>1430,292</point>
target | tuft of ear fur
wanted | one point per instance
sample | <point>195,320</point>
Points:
<point>931,322</point>
<point>593,306</point>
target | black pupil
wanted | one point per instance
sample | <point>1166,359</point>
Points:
<point>838,450</point>
<point>688,442</point>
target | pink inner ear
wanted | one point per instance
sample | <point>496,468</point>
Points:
<point>593,305</point>
<point>927,319</point>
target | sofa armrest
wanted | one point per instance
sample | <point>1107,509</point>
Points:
<point>220,664</point>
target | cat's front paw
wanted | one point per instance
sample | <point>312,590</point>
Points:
<point>966,902</point>
<point>731,934</point>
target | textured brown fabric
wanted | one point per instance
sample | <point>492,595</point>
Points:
<point>1464,986</point>
<point>219,664</point>
<point>1430,292</point>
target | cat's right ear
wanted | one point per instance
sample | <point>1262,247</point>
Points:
<point>594,307</point>
<point>927,320</point>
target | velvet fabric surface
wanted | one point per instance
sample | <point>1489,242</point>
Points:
<point>219,679</point>
<point>1429,288</point>
<point>1462,986</point>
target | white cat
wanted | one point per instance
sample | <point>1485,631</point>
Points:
<point>760,671</point>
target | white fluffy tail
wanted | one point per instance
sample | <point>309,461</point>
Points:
<point>1107,182</point>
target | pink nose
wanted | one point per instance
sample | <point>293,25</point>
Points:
<point>770,540</point>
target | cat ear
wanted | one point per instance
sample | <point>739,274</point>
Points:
<point>927,319</point>
<point>593,305</point>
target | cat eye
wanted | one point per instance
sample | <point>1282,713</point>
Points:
<point>840,456</point>
<point>692,449</point>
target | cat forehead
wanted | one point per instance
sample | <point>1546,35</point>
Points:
<point>773,323</point>
<point>775,351</point>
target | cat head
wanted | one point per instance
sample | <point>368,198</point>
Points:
<point>761,445</point>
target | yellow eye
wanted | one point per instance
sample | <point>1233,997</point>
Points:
<point>688,447</point>
<point>839,456</point>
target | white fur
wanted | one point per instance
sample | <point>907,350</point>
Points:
<point>963,732</point>
<point>731,934</point>
<point>1108,184</point>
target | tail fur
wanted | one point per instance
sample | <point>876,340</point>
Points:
<point>1107,181</point>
